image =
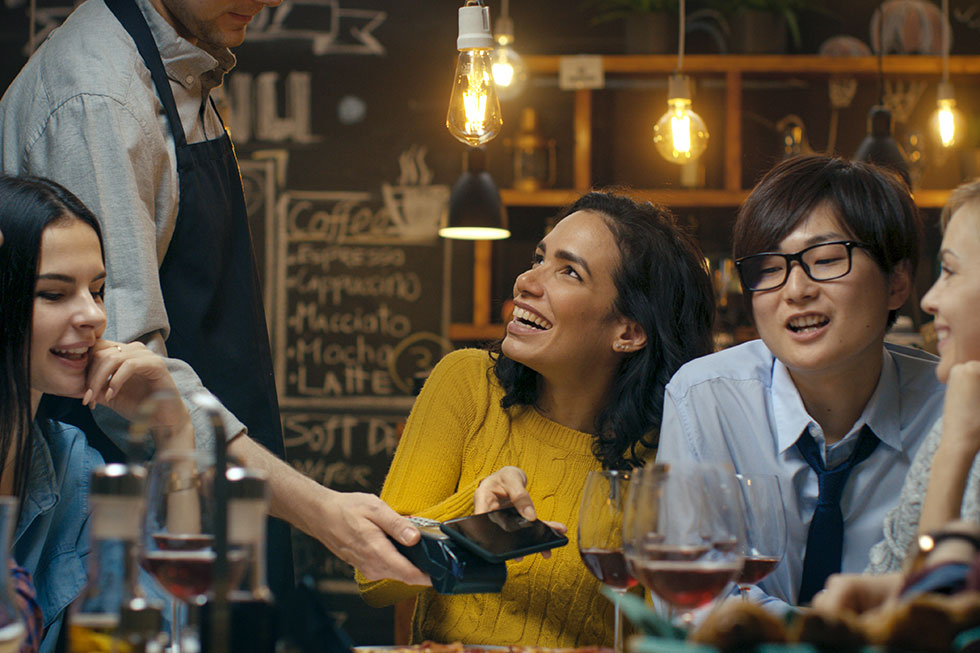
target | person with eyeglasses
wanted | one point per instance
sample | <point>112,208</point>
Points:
<point>826,251</point>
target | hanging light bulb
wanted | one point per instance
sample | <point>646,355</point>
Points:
<point>946,122</point>
<point>680,135</point>
<point>509,69</point>
<point>474,110</point>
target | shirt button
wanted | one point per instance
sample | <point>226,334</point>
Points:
<point>189,79</point>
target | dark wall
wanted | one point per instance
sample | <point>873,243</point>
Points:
<point>339,124</point>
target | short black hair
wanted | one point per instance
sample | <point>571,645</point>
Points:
<point>874,204</point>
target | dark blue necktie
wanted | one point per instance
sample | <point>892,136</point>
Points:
<point>825,540</point>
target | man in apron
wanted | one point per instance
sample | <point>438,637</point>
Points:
<point>115,106</point>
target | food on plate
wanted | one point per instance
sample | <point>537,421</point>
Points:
<point>830,632</point>
<point>737,626</point>
<point>457,647</point>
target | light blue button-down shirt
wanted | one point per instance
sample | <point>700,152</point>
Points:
<point>740,406</point>
<point>51,540</point>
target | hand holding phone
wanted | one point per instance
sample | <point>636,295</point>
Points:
<point>501,535</point>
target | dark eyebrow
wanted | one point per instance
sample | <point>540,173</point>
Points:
<point>65,278</point>
<point>565,255</point>
<point>825,238</point>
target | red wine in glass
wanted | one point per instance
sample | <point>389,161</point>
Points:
<point>686,584</point>
<point>188,575</point>
<point>609,567</point>
<point>182,542</point>
<point>756,568</point>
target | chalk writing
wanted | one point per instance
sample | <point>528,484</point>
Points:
<point>253,108</point>
<point>359,312</point>
<point>350,31</point>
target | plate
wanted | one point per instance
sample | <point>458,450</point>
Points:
<point>476,648</point>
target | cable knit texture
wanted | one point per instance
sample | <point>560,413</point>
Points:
<point>456,435</point>
<point>902,521</point>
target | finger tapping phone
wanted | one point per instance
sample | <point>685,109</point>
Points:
<point>503,534</point>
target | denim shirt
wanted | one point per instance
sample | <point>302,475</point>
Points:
<point>52,539</point>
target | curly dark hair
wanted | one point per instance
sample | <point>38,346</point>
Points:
<point>664,286</point>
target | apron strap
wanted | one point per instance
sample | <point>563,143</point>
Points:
<point>135,23</point>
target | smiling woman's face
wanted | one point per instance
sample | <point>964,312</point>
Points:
<point>69,315</point>
<point>955,297</point>
<point>564,315</point>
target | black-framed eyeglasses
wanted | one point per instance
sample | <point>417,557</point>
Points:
<point>823,262</point>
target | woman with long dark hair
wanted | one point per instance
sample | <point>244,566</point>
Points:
<point>52,277</point>
<point>617,297</point>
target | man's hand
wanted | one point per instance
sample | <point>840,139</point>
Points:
<point>351,524</point>
<point>356,532</point>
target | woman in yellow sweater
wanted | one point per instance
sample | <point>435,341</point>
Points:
<point>616,299</point>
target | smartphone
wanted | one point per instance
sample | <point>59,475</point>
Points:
<point>502,535</point>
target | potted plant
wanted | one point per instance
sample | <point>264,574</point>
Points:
<point>763,26</point>
<point>651,25</point>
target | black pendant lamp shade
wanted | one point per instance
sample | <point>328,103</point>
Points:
<point>475,209</point>
<point>879,146</point>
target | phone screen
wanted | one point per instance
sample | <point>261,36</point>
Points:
<point>503,534</point>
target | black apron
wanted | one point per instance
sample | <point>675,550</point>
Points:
<point>210,285</point>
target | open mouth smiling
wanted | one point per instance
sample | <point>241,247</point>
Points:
<point>73,354</point>
<point>528,318</point>
<point>807,323</point>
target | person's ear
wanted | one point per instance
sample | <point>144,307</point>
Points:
<point>899,285</point>
<point>631,337</point>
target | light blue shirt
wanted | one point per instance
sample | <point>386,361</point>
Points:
<point>740,406</point>
<point>52,540</point>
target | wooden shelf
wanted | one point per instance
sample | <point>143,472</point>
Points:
<point>486,332</point>
<point>930,198</point>
<point>799,64</point>
<point>734,68</point>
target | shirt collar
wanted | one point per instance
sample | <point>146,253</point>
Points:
<point>881,413</point>
<point>42,490</point>
<point>185,63</point>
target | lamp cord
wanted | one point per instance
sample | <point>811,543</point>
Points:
<point>680,38</point>
<point>945,40</point>
<point>881,55</point>
<point>505,9</point>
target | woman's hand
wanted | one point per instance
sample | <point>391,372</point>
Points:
<point>505,487</point>
<point>858,593</point>
<point>961,419</point>
<point>508,487</point>
<point>123,376</point>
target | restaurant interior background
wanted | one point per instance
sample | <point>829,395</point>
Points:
<point>338,110</point>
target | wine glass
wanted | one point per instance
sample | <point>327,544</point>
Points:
<point>765,528</point>
<point>600,535</point>
<point>178,535</point>
<point>687,530</point>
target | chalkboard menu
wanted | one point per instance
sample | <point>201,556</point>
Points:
<point>359,302</point>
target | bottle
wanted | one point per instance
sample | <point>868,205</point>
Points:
<point>113,615</point>
<point>253,616</point>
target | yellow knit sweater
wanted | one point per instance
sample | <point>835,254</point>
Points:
<point>456,435</point>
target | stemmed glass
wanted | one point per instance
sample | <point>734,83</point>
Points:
<point>178,529</point>
<point>687,531</point>
<point>765,528</point>
<point>600,535</point>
